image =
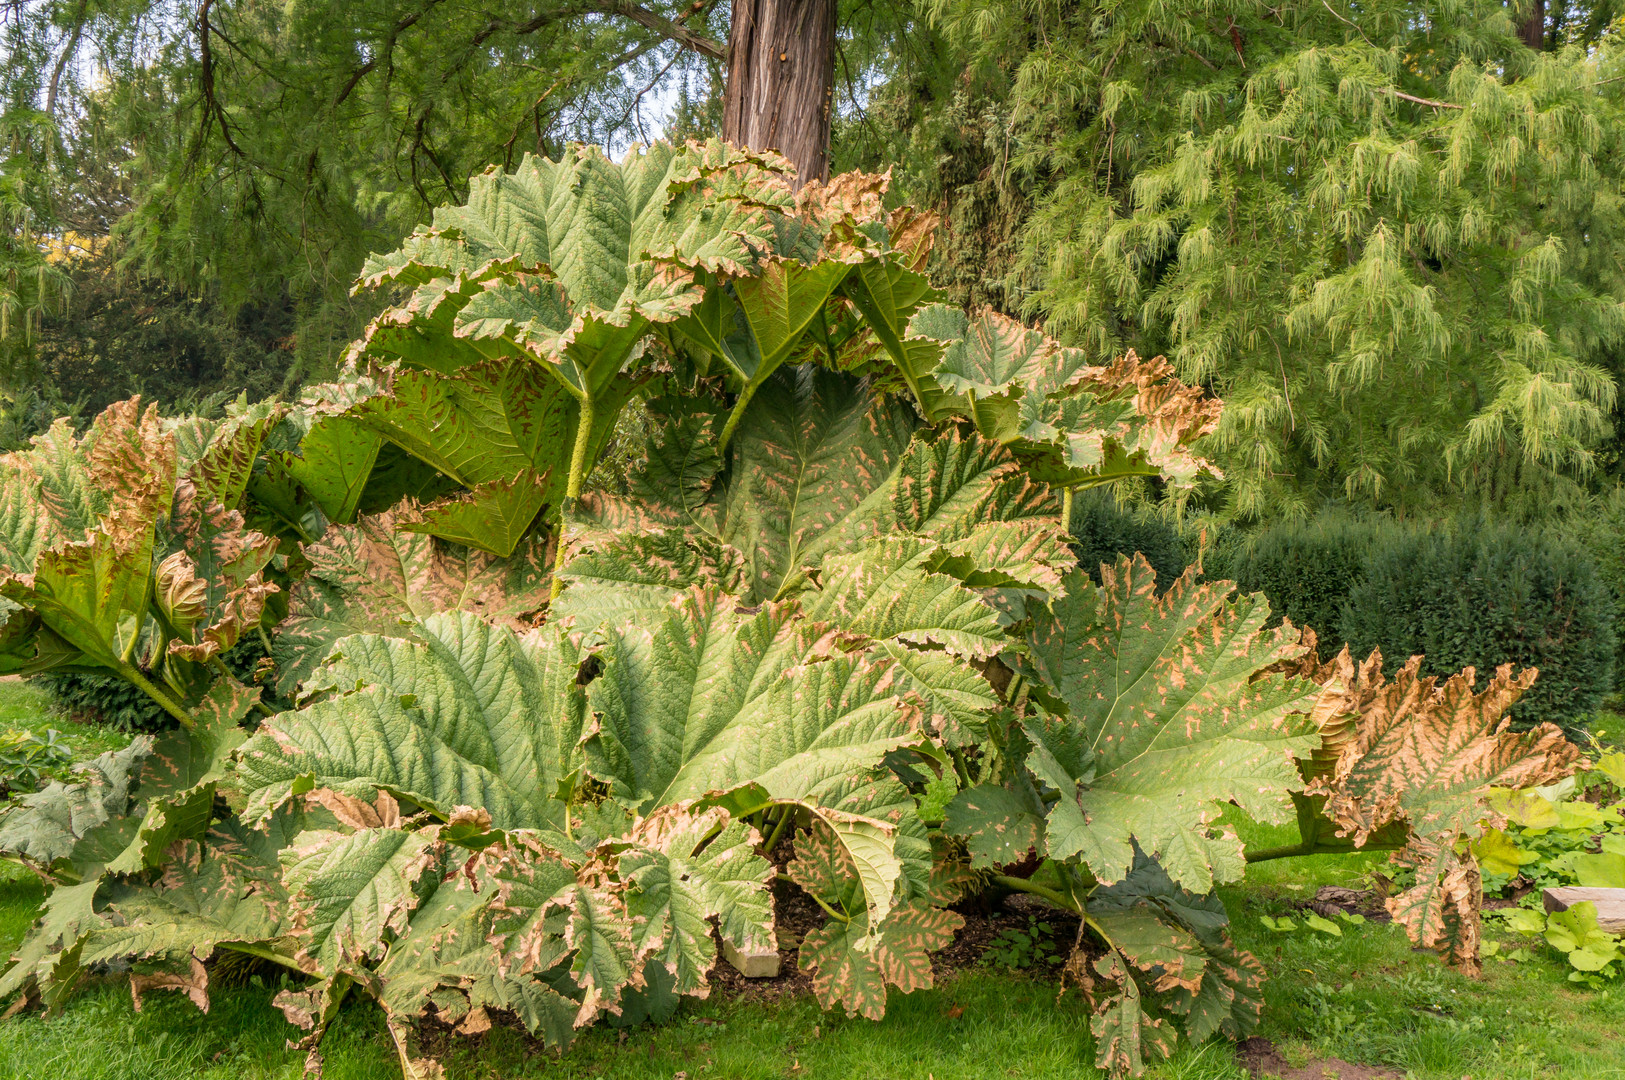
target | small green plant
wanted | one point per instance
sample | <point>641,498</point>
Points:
<point>28,758</point>
<point>1285,925</point>
<point>1571,833</point>
<point>1018,948</point>
<point>1596,955</point>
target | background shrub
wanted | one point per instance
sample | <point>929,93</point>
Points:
<point>1305,570</point>
<point>1471,594</point>
<point>1600,533</point>
<point>1101,531</point>
<point>94,698</point>
<point>1484,597</point>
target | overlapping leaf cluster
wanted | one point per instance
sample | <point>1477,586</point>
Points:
<point>1407,764</point>
<point>533,749</point>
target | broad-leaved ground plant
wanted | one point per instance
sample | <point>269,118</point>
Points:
<point>526,747</point>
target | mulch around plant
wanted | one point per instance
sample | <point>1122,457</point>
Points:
<point>1262,1059</point>
<point>796,915</point>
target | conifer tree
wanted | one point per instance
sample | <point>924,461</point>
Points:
<point>1388,234</point>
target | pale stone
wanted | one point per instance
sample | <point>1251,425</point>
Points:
<point>1610,904</point>
<point>758,964</point>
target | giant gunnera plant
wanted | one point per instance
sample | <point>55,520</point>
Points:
<point>521,746</point>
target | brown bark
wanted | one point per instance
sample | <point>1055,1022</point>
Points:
<point>1533,30</point>
<point>781,81</point>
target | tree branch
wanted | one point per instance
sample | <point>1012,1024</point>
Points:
<point>1421,100</point>
<point>68,50</point>
<point>406,23</point>
<point>638,99</point>
<point>211,104</point>
<point>667,28</point>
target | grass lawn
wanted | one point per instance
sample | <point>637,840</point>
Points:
<point>25,707</point>
<point>1364,997</point>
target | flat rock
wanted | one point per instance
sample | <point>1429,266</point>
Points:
<point>1610,904</point>
<point>762,964</point>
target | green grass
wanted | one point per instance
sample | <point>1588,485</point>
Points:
<point>26,707</point>
<point>1369,997</point>
<point>1365,997</point>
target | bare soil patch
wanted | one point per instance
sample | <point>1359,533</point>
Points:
<point>1263,1059</point>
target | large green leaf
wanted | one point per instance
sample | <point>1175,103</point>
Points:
<point>779,302</point>
<point>617,577</point>
<point>466,714</point>
<point>180,777</point>
<point>227,889</point>
<point>223,466</point>
<point>493,517</point>
<point>350,892</point>
<point>886,592</point>
<point>1126,1035</point>
<point>1001,825</point>
<point>813,458</point>
<point>1165,721</point>
<point>334,454</point>
<point>1072,423</point>
<point>594,223</point>
<point>486,423</point>
<point>374,577</point>
<point>709,699</point>
<point>688,868</point>
<point>889,292</point>
<point>47,962</point>
<point>45,826</point>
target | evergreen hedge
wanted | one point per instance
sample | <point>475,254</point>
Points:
<point>1306,571</point>
<point>1484,597</point>
<point>1101,533</point>
<point>1469,595</point>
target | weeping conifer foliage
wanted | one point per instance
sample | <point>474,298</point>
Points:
<point>1389,235</point>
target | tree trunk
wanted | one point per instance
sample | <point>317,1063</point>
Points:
<point>781,81</point>
<point>1533,30</point>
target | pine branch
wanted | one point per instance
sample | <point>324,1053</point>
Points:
<point>1420,100</point>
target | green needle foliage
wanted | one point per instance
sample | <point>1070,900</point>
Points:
<point>1388,236</point>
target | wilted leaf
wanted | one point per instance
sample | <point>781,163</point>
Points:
<point>1125,1036</point>
<point>1001,826</point>
<point>686,872</point>
<point>1441,910</point>
<point>213,590</point>
<point>348,891</point>
<point>852,969</point>
<point>1428,753</point>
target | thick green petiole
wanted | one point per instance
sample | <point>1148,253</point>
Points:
<point>735,415</point>
<point>132,674</point>
<point>578,472</point>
